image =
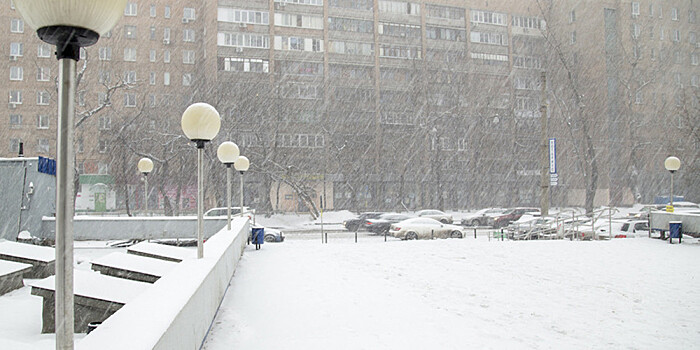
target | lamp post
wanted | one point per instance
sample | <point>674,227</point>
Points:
<point>228,153</point>
<point>145,166</point>
<point>69,25</point>
<point>672,164</point>
<point>200,123</point>
<point>241,164</point>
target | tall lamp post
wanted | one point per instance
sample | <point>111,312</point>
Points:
<point>200,123</point>
<point>241,164</point>
<point>69,25</point>
<point>145,166</point>
<point>672,164</point>
<point>228,153</point>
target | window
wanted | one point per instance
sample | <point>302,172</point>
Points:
<point>692,38</point>
<point>353,4</point>
<point>188,56</point>
<point>651,10</point>
<point>527,22</point>
<point>16,73</point>
<point>152,33</point>
<point>166,36</point>
<point>130,32</point>
<point>129,100</point>
<point>298,44</point>
<point>243,16</point>
<point>42,97</point>
<point>152,56</point>
<point>103,76</point>
<point>102,168</point>
<point>573,37</point>
<point>352,48</point>
<point>43,74</point>
<point>167,12</point>
<point>677,78</point>
<point>14,145</point>
<point>302,2</point>
<point>405,52</point>
<point>260,41</point>
<point>188,35</point>
<point>572,16</point>
<point>489,38</point>
<point>15,121</point>
<point>187,79</point>
<point>130,77</point>
<point>152,78</point>
<point>42,146</point>
<point>153,103</point>
<point>130,9</point>
<point>676,57</point>
<point>635,9</point>
<point>102,146</point>
<point>350,25</point>
<point>79,145</point>
<point>130,54</point>
<point>488,17</point>
<point>399,7</point>
<point>231,64</point>
<point>153,11</point>
<point>188,14</point>
<point>81,98</point>
<point>17,25</point>
<point>104,122</point>
<point>691,16</point>
<point>694,81</point>
<point>42,121</point>
<point>677,36</point>
<point>674,14</point>
<point>400,30</point>
<point>16,49</point>
<point>166,78</point>
<point>43,50</point>
<point>299,21</point>
<point>102,99</point>
<point>636,30</point>
<point>638,98</point>
<point>166,56</point>
<point>694,59</point>
<point>15,96</point>
<point>105,53</point>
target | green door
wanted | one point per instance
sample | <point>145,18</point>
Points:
<point>100,201</point>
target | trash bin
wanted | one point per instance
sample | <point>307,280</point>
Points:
<point>258,236</point>
<point>675,230</point>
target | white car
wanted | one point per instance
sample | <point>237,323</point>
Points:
<point>435,214</point>
<point>424,228</point>
<point>483,217</point>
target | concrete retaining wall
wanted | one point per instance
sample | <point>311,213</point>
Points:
<point>176,312</point>
<point>104,228</point>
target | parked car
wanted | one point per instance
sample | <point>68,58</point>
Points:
<point>270,234</point>
<point>483,217</point>
<point>358,223</point>
<point>424,228</point>
<point>384,221</point>
<point>435,214</point>
<point>624,229</point>
<point>213,212</point>
<point>513,214</point>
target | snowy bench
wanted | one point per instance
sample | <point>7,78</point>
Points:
<point>133,267</point>
<point>96,297</point>
<point>41,258</point>
<point>11,275</point>
<point>161,251</point>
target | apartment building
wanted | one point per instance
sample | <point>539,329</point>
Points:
<point>379,103</point>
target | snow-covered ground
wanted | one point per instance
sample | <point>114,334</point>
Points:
<point>463,293</point>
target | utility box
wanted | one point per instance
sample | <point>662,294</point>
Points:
<point>675,229</point>
<point>258,234</point>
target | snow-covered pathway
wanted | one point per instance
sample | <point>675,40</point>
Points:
<point>455,294</point>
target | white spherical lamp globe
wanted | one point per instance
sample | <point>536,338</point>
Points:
<point>145,165</point>
<point>227,152</point>
<point>241,164</point>
<point>98,16</point>
<point>200,122</point>
<point>672,163</point>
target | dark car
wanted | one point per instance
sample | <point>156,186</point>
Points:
<point>383,223</point>
<point>513,214</point>
<point>358,223</point>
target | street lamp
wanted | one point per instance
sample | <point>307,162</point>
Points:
<point>672,164</point>
<point>241,164</point>
<point>228,153</point>
<point>145,166</point>
<point>200,123</point>
<point>69,25</point>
